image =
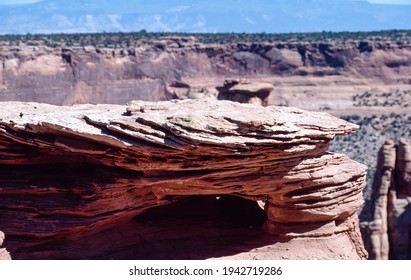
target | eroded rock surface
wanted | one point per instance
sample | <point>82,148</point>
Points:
<point>72,75</point>
<point>377,238</point>
<point>399,210</point>
<point>74,179</point>
<point>244,91</point>
<point>388,234</point>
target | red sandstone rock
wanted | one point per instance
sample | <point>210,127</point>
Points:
<point>73,179</point>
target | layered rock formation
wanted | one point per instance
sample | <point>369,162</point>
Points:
<point>74,180</point>
<point>388,234</point>
<point>71,75</point>
<point>378,228</point>
<point>244,91</point>
<point>399,210</point>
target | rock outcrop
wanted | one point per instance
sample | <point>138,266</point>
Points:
<point>377,234</point>
<point>388,234</point>
<point>4,255</point>
<point>244,91</point>
<point>75,180</point>
<point>399,208</point>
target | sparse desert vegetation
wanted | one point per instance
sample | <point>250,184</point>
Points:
<point>400,98</point>
<point>134,39</point>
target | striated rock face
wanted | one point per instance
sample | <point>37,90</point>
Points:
<point>74,181</point>
<point>65,76</point>
<point>377,238</point>
<point>244,91</point>
<point>4,255</point>
<point>399,208</point>
<point>388,234</point>
<point>404,168</point>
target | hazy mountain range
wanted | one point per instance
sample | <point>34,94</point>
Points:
<point>55,16</point>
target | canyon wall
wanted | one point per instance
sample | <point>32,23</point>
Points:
<point>72,75</point>
<point>83,182</point>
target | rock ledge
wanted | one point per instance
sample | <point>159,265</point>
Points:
<point>74,176</point>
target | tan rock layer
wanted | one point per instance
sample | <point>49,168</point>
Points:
<point>107,163</point>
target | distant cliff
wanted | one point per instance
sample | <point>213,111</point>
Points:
<point>70,75</point>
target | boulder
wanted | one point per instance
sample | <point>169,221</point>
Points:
<point>244,91</point>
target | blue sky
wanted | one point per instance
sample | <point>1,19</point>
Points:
<point>400,2</point>
<point>392,2</point>
<point>17,1</point>
<point>251,16</point>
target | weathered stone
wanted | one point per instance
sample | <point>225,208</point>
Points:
<point>72,179</point>
<point>404,168</point>
<point>399,206</point>
<point>378,245</point>
<point>72,75</point>
<point>387,235</point>
<point>244,91</point>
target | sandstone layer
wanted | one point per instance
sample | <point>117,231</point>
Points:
<point>303,73</point>
<point>75,181</point>
<point>388,234</point>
